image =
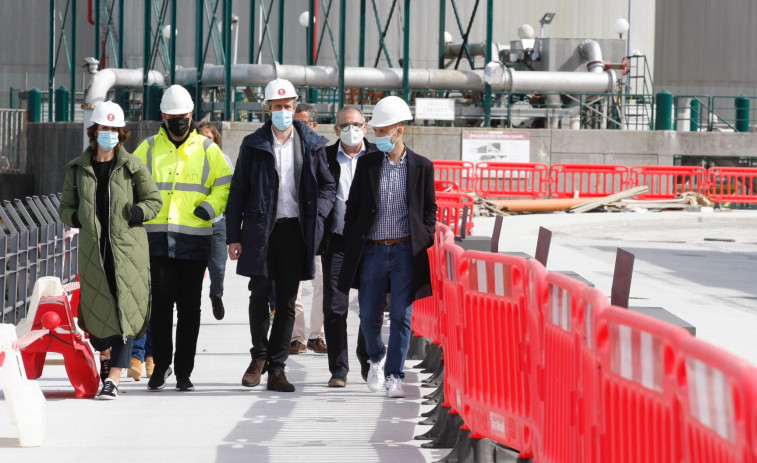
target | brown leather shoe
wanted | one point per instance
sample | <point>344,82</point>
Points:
<point>296,347</point>
<point>317,345</point>
<point>253,373</point>
<point>277,381</point>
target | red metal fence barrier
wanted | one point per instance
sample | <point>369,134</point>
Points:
<point>512,180</point>
<point>586,180</point>
<point>461,173</point>
<point>666,182</point>
<point>732,184</point>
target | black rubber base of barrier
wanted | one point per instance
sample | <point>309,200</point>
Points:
<point>436,379</point>
<point>434,410</point>
<point>436,429</point>
<point>434,356</point>
<point>462,452</point>
<point>434,413</point>
<point>437,392</point>
<point>449,428</point>
<point>418,348</point>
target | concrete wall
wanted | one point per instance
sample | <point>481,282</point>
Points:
<point>51,146</point>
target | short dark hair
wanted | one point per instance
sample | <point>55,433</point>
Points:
<point>307,108</point>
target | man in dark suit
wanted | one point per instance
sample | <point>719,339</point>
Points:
<point>281,194</point>
<point>388,227</point>
<point>342,157</point>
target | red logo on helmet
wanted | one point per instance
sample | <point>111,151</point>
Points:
<point>111,117</point>
<point>281,91</point>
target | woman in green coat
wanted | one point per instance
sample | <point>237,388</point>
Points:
<point>107,194</point>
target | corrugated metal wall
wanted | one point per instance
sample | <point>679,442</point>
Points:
<point>25,64</point>
<point>706,47</point>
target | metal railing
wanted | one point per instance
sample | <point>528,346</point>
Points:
<point>34,243</point>
<point>12,140</point>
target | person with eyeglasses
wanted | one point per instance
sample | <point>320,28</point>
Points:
<point>307,114</point>
<point>388,227</point>
<point>342,157</point>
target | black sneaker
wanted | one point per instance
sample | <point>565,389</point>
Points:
<point>184,384</point>
<point>158,378</point>
<point>218,310</point>
<point>109,390</point>
<point>104,368</point>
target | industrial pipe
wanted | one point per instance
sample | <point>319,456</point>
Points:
<point>593,52</point>
<point>110,78</point>
<point>425,79</point>
<point>452,50</point>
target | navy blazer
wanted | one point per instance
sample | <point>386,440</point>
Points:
<point>362,206</point>
<point>251,210</point>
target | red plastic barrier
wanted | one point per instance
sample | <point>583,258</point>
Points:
<point>732,184</point>
<point>453,324</point>
<point>446,187</point>
<point>77,355</point>
<point>461,173</point>
<point>426,310</point>
<point>665,182</point>
<point>586,180</point>
<point>512,180</point>
<point>500,346</point>
<point>717,394</point>
<point>638,387</point>
<point>450,210</point>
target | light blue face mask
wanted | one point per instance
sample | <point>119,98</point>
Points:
<point>107,140</point>
<point>385,144</point>
<point>282,120</point>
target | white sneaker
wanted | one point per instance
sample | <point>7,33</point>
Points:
<point>376,376</point>
<point>394,387</point>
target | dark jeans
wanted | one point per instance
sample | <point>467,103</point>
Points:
<point>179,281</point>
<point>217,262</point>
<point>142,347</point>
<point>285,263</point>
<point>120,351</point>
<point>335,310</point>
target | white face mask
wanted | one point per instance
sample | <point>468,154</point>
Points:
<point>351,137</point>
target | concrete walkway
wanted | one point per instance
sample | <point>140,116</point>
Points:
<point>707,283</point>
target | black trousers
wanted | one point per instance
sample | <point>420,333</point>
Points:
<point>335,310</point>
<point>284,265</point>
<point>179,281</point>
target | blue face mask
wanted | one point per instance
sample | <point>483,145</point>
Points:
<point>282,120</point>
<point>107,140</point>
<point>385,144</point>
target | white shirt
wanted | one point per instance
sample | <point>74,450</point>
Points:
<point>286,205</point>
<point>347,166</point>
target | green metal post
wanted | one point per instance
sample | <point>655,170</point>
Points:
<point>309,33</point>
<point>694,121</point>
<point>120,59</point>
<point>51,62</point>
<point>442,27</point>
<point>61,104</point>
<point>198,59</point>
<point>361,55</point>
<point>154,93</point>
<point>73,59</point>
<point>146,60</point>
<point>121,98</point>
<point>664,111</point>
<point>488,88</point>
<point>342,25</point>
<point>172,45</point>
<point>97,30</point>
<point>406,55</point>
<point>227,59</point>
<point>742,113</point>
<point>34,104</point>
<point>251,50</point>
<point>281,32</point>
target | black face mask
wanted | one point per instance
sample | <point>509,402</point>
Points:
<point>178,127</point>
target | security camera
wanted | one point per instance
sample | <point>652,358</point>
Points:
<point>91,64</point>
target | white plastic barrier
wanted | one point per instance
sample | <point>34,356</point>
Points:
<point>26,404</point>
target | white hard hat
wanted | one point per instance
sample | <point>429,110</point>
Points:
<point>278,89</point>
<point>109,114</point>
<point>390,110</point>
<point>176,100</point>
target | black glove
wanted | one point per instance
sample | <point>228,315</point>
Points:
<point>136,216</point>
<point>201,213</point>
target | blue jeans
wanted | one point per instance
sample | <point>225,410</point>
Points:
<point>217,262</point>
<point>382,264</point>
<point>142,347</point>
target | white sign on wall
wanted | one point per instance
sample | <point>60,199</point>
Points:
<point>495,146</point>
<point>440,109</point>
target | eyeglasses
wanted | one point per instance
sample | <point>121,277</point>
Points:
<point>345,127</point>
